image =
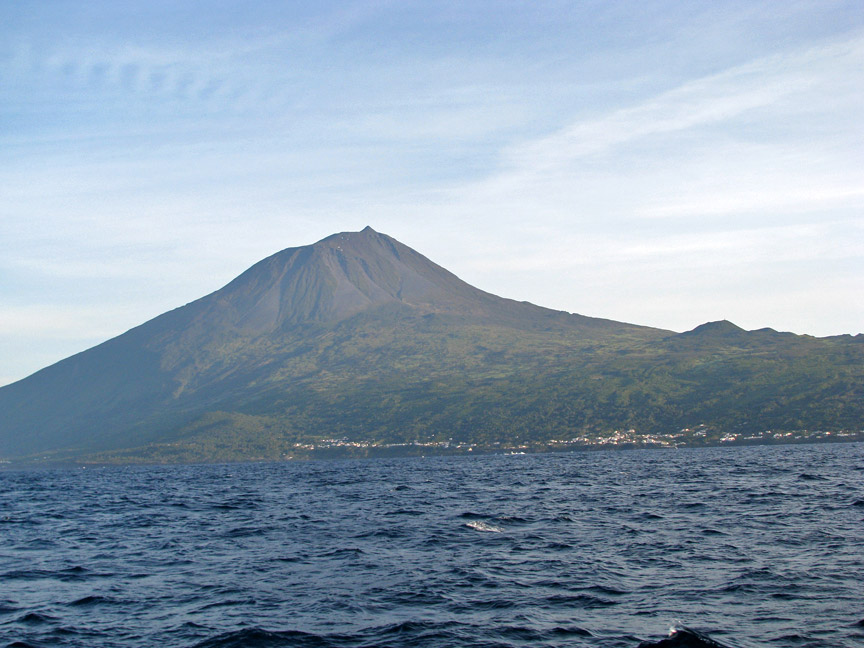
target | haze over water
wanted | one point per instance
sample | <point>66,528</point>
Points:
<point>756,546</point>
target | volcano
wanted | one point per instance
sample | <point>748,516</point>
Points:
<point>361,338</point>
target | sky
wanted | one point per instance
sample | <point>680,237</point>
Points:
<point>660,163</point>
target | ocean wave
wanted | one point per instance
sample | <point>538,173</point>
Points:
<point>88,601</point>
<point>480,525</point>
<point>400,635</point>
<point>258,638</point>
<point>681,637</point>
<point>577,601</point>
<point>35,618</point>
<point>394,635</point>
<point>462,559</point>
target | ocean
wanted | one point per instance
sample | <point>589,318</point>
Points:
<point>749,546</point>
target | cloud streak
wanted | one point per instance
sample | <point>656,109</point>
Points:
<point>774,84</point>
<point>755,170</point>
<point>626,164</point>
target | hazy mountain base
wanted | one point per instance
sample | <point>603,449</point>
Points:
<point>406,390</point>
<point>225,442</point>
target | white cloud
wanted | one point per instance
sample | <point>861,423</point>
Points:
<point>763,84</point>
<point>162,169</point>
<point>749,178</point>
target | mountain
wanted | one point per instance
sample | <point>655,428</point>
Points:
<point>362,339</point>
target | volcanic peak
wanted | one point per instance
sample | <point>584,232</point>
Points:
<point>335,278</point>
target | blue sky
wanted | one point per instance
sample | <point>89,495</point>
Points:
<point>662,163</point>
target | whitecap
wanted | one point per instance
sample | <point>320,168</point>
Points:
<point>479,525</point>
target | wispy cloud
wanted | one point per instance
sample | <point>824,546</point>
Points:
<point>778,86</point>
<point>577,158</point>
<point>751,170</point>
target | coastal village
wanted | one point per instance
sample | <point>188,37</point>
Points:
<point>698,436</point>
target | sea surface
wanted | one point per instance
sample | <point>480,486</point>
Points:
<point>757,546</point>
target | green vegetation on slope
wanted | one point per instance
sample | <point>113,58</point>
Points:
<point>362,340</point>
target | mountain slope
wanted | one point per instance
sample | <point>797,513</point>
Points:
<point>359,336</point>
<point>268,325</point>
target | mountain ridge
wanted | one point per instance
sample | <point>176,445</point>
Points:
<point>362,335</point>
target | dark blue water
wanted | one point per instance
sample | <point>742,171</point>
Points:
<point>753,546</point>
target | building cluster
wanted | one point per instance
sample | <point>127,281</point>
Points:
<point>699,435</point>
<point>790,437</point>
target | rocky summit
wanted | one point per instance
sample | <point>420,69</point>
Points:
<point>360,345</point>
